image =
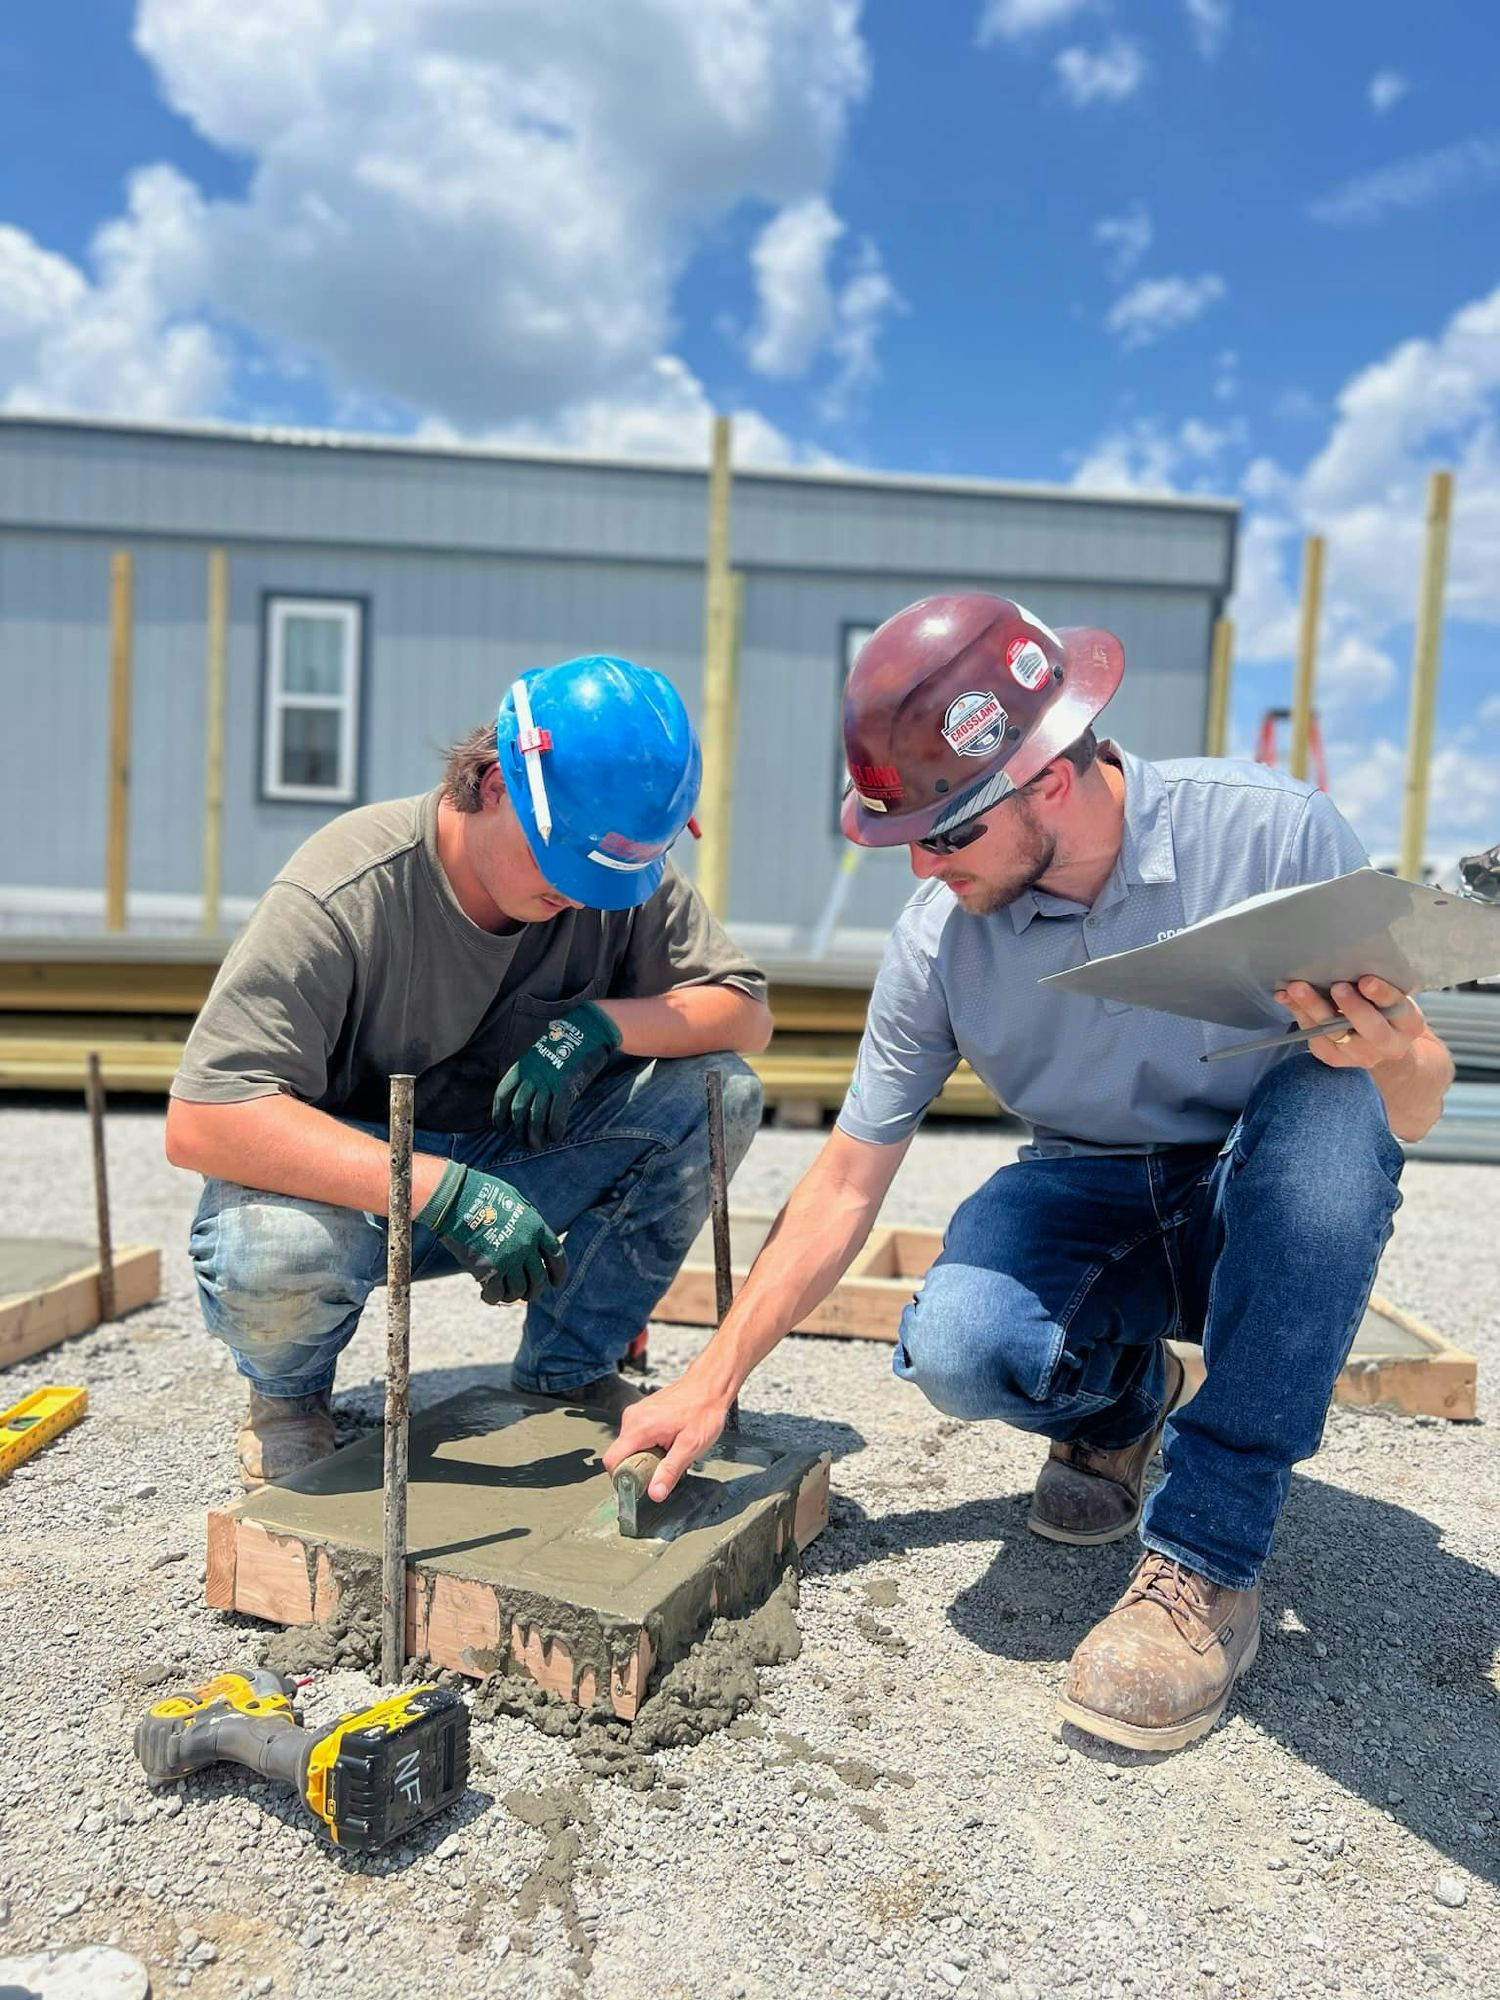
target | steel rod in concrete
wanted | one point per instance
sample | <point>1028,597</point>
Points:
<point>718,1181</point>
<point>1424,675</point>
<point>397,1383</point>
<point>94,1091</point>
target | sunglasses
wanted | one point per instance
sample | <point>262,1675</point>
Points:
<point>962,836</point>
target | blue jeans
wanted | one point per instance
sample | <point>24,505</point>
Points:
<point>1061,1276</point>
<point>283,1281</point>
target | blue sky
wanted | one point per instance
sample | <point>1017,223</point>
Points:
<point>1159,244</point>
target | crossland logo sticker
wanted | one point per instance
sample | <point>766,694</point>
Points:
<point>974,724</point>
<point>1028,663</point>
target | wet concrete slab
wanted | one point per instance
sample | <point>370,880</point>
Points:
<point>512,1517</point>
<point>31,1263</point>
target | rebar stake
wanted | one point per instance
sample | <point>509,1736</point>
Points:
<point>94,1093</point>
<point>718,1180</point>
<point>397,1383</point>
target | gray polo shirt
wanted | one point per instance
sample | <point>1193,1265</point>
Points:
<point>1093,1075</point>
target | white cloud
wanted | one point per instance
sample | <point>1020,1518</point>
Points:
<point>1105,75</point>
<point>790,262</point>
<point>1227,374</point>
<point>1368,779</point>
<point>1126,238</point>
<point>1146,457</point>
<point>864,304</point>
<point>1158,306</point>
<point>1387,88</point>
<point>1011,20</point>
<point>1465,168</point>
<point>1428,402</point>
<point>454,210</point>
<point>665,412</point>
<point>120,340</point>
<point>803,315</point>
<point>1209,21</point>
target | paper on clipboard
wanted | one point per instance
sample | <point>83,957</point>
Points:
<point>1226,967</point>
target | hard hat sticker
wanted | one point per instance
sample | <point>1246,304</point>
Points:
<point>616,850</point>
<point>878,785</point>
<point>1028,663</point>
<point>974,724</point>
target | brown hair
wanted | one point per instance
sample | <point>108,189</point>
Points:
<point>1081,754</point>
<point>464,766</point>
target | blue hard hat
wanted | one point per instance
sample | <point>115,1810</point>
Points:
<point>602,767</point>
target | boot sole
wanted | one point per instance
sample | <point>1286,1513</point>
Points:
<point>1077,1539</point>
<point>1171,1736</point>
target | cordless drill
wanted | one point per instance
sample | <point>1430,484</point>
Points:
<point>369,1778</point>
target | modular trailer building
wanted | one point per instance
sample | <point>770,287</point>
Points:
<point>383,594</point>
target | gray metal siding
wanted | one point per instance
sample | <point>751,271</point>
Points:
<point>247,490</point>
<point>544,560</point>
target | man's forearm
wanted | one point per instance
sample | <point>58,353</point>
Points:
<point>691,1021</point>
<point>287,1147</point>
<point>1414,1087</point>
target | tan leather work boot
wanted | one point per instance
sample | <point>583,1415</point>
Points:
<point>1156,1672</point>
<point>282,1434</point>
<point>1086,1496</point>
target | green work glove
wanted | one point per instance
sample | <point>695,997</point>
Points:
<point>537,1093</point>
<point>494,1232</point>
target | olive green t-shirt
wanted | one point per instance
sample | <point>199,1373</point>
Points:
<point>358,963</point>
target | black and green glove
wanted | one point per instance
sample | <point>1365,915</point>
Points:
<point>495,1233</point>
<point>537,1093</point>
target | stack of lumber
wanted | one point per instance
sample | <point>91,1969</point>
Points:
<point>133,999</point>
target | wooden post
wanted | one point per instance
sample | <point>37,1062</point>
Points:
<point>213,772</point>
<point>1216,736</point>
<point>1307,655</point>
<point>95,1094</point>
<point>719,648</point>
<point>397,1383</point>
<point>1424,676</point>
<point>116,857</point>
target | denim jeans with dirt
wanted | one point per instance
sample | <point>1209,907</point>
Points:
<point>1062,1275</point>
<point>283,1281</point>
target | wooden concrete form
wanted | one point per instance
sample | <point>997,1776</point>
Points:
<point>65,1301</point>
<point>1397,1359</point>
<point>515,1559</point>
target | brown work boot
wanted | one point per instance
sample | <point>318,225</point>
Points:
<point>282,1434</point>
<point>1086,1496</point>
<point>1156,1672</point>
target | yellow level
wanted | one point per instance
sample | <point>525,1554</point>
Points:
<point>35,1420</point>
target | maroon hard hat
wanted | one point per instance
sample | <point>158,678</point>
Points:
<point>958,701</point>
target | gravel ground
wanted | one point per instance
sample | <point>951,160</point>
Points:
<point>903,1814</point>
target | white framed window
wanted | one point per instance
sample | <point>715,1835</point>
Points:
<point>854,636</point>
<point>313,650</point>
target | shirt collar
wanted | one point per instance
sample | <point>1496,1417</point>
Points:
<point>1146,850</point>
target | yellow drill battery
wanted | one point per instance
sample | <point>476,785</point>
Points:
<point>35,1421</point>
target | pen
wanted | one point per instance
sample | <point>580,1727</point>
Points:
<point>1290,1037</point>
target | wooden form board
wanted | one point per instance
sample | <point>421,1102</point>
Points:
<point>1397,1359</point>
<point>515,1556</point>
<point>31,1321</point>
